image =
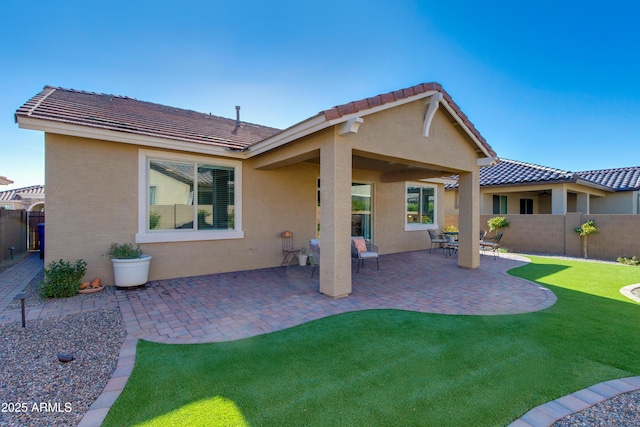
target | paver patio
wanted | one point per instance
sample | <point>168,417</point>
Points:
<point>221,307</point>
<point>229,306</point>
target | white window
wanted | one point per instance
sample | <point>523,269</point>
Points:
<point>499,205</point>
<point>184,198</point>
<point>420,207</point>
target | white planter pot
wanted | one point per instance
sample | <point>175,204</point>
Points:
<point>302,260</point>
<point>131,272</point>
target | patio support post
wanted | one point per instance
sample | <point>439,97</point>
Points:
<point>469,220</point>
<point>559,201</point>
<point>335,214</point>
<point>583,203</point>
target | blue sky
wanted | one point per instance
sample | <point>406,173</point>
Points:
<point>551,83</point>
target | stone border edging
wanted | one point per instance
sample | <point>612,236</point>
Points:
<point>100,408</point>
<point>548,413</point>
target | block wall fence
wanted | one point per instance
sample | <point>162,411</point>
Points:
<point>619,235</point>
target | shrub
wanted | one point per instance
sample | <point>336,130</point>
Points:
<point>124,251</point>
<point>498,222</point>
<point>629,261</point>
<point>62,279</point>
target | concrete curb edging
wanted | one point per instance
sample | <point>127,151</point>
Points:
<point>626,291</point>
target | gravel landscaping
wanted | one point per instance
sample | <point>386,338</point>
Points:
<point>35,387</point>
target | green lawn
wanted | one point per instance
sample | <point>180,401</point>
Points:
<point>390,367</point>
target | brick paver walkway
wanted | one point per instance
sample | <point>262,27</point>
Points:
<point>14,279</point>
<point>230,306</point>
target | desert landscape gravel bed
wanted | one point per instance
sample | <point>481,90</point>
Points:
<point>36,388</point>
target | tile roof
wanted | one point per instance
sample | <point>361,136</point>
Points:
<point>375,101</point>
<point>512,172</point>
<point>124,114</point>
<point>121,113</point>
<point>10,195</point>
<point>619,179</point>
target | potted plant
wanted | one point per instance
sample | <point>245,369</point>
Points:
<point>130,265</point>
<point>302,257</point>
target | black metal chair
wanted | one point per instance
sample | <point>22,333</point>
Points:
<point>492,243</point>
<point>436,239</point>
<point>288,250</point>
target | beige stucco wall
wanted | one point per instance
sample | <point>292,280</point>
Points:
<point>92,189</point>
<point>92,195</point>
<point>93,202</point>
<point>615,203</point>
<point>398,133</point>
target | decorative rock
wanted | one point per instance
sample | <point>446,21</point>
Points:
<point>65,357</point>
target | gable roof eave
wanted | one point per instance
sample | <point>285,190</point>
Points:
<point>84,131</point>
<point>357,109</point>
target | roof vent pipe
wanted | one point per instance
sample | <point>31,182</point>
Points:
<point>237,116</point>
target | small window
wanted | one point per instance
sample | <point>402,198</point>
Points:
<point>499,205</point>
<point>526,206</point>
<point>420,207</point>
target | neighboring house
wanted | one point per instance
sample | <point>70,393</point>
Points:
<point>205,194</point>
<point>625,184</point>
<point>27,198</point>
<point>546,205</point>
<point>5,181</point>
<point>514,187</point>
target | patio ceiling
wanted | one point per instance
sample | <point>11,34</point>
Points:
<point>392,169</point>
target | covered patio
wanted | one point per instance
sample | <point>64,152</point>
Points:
<point>229,306</point>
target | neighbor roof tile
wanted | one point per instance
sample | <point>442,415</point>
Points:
<point>15,193</point>
<point>619,179</point>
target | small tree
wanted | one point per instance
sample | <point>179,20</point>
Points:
<point>497,223</point>
<point>585,230</point>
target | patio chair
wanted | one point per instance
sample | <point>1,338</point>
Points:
<point>450,245</point>
<point>314,245</point>
<point>288,250</point>
<point>361,249</point>
<point>492,243</point>
<point>436,239</point>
